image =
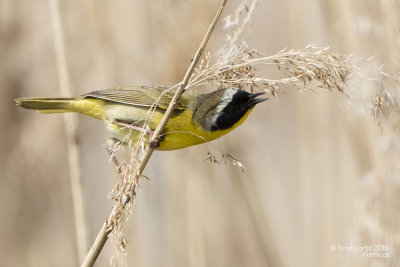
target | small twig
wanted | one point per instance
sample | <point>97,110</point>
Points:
<point>104,231</point>
<point>70,125</point>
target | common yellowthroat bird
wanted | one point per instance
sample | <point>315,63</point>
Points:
<point>198,118</point>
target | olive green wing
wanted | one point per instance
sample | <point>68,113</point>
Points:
<point>139,96</point>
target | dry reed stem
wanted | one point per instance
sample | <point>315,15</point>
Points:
<point>97,246</point>
<point>70,125</point>
<point>132,171</point>
<point>259,224</point>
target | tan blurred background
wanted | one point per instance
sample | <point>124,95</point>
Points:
<point>319,173</point>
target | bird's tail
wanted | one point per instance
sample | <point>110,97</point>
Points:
<point>90,107</point>
<point>47,105</point>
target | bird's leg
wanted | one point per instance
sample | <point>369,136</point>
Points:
<point>152,144</point>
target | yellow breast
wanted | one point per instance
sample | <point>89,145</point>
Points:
<point>180,131</point>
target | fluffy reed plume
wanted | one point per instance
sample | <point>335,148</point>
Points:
<point>374,93</point>
<point>311,67</point>
<point>236,65</point>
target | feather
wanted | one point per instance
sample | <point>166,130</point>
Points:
<point>140,96</point>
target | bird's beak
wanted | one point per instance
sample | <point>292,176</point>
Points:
<point>254,101</point>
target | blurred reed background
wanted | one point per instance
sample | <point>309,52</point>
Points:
<point>320,173</point>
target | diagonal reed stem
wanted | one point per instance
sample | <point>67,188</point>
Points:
<point>104,232</point>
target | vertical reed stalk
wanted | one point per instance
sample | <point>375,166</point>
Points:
<point>70,125</point>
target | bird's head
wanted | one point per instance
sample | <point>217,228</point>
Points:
<point>222,109</point>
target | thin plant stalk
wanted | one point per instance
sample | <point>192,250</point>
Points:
<point>70,125</point>
<point>105,231</point>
